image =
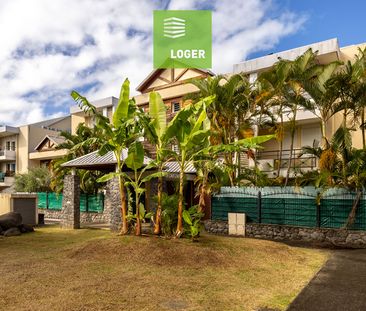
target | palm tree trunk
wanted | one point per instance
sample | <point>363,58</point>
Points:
<point>122,191</point>
<point>203,191</point>
<point>157,227</point>
<point>293,129</point>
<point>281,148</point>
<point>363,128</point>
<point>324,137</point>
<point>352,214</point>
<point>179,230</point>
<point>137,199</point>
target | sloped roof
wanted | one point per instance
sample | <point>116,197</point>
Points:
<point>50,122</point>
<point>93,159</point>
<point>153,74</point>
<point>108,161</point>
<point>173,167</point>
<point>55,139</point>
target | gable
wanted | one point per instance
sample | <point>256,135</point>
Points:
<point>48,143</point>
<point>165,78</point>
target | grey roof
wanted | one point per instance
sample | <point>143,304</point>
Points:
<point>50,122</point>
<point>173,167</point>
<point>56,139</point>
<point>6,130</point>
<point>93,160</point>
<point>100,103</point>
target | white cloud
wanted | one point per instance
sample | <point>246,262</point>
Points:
<point>105,42</point>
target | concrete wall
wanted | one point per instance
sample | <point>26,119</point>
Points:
<point>23,203</point>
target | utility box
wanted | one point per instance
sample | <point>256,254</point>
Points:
<point>23,203</point>
<point>236,224</point>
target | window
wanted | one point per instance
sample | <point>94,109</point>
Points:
<point>175,106</point>
<point>13,145</point>
<point>8,145</point>
<point>10,167</point>
<point>110,113</point>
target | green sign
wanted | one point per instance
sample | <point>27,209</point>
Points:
<point>183,39</point>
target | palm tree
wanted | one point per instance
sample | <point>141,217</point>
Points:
<point>117,136</point>
<point>155,129</point>
<point>231,113</point>
<point>187,131</point>
<point>322,98</point>
<point>300,70</point>
<point>359,93</point>
<point>75,148</point>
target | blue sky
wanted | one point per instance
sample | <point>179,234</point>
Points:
<point>92,45</point>
<point>325,19</point>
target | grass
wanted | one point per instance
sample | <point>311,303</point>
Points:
<point>54,269</point>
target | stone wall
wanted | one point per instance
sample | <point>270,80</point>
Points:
<point>326,237</point>
<point>85,217</point>
<point>71,203</point>
<point>112,205</point>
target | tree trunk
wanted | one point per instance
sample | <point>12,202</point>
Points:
<point>203,190</point>
<point>352,214</point>
<point>363,128</point>
<point>293,129</point>
<point>157,227</point>
<point>281,148</point>
<point>122,191</point>
<point>179,230</point>
<point>138,220</point>
<point>324,135</point>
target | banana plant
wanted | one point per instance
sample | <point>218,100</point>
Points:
<point>155,128</point>
<point>186,130</point>
<point>118,134</point>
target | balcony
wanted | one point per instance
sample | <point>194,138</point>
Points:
<point>269,161</point>
<point>7,155</point>
<point>6,181</point>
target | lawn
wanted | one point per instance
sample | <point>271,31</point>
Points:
<point>54,269</point>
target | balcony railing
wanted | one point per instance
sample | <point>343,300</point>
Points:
<point>278,159</point>
<point>7,155</point>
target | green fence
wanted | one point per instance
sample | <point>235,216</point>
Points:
<point>290,206</point>
<point>88,202</point>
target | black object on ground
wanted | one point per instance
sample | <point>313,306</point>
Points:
<point>11,225</point>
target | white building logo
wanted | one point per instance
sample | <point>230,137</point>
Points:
<point>174,27</point>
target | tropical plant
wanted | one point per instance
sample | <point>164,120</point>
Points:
<point>169,213</point>
<point>185,130</point>
<point>76,148</point>
<point>36,180</point>
<point>155,130</point>
<point>117,135</point>
<point>232,113</point>
<point>192,218</point>
<point>271,91</point>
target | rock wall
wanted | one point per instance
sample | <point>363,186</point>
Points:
<point>85,217</point>
<point>71,203</point>
<point>112,205</point>
<point>327,237</point>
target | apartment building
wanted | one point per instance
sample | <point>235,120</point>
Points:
<point>170,83</point>
<point>308,125</point>
<point>35,144</point>
<point>32,145</point>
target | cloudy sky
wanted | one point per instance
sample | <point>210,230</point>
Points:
<point>49,47</point>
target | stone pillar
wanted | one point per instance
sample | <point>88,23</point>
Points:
<point>112,205</point>
<point>70,218</point>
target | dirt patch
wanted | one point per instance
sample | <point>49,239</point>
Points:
<point>171,253</point>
